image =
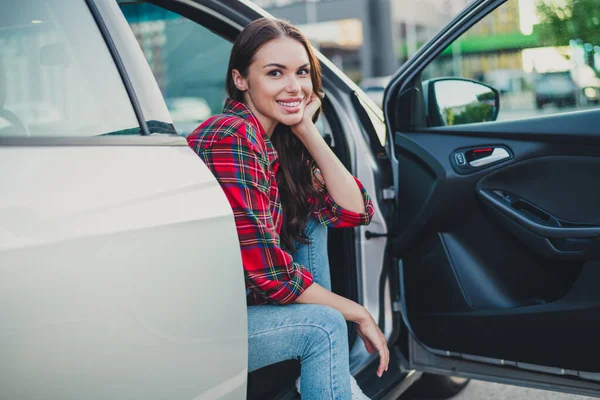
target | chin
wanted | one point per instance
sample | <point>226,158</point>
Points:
<point>290,120</point>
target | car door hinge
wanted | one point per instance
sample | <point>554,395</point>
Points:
<point>389,193</point>
<point>373,235</point>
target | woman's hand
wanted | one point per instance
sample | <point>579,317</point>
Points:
<point>304,126</point>
<point>374,340</point>
<point>368,330</point>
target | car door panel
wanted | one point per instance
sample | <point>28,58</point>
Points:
<point>490,278</point>
<point>118,262</point>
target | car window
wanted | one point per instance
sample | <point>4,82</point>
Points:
<point>189,62</point>
<point>57,77</point>
<point>542,57</point>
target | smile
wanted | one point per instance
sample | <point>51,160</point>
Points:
<point>289,104</point>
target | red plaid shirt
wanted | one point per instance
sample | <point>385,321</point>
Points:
<point>242,158</point>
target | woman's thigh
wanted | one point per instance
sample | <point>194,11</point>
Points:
<point>314,255</point>
<point>295,331</point>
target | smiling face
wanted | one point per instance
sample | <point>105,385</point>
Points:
<point>278,83</point>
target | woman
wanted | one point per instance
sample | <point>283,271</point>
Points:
<point>285,185</point>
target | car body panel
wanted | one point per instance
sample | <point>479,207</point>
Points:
<point>107,271</point>
<point>120,267</point>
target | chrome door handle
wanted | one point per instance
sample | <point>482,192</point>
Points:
<point>498,154</point>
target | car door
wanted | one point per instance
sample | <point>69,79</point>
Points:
<point>497,228</point>
<point>120,270</point>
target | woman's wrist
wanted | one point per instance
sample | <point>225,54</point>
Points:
<point>305,130</point>
<point>361,315</point>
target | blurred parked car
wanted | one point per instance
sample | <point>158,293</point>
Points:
<point>557,88</point>
<point>576,87</point>
<point>374,88</point>
<point>588,85</point>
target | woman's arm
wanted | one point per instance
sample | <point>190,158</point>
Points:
<point>340,184</point>
<point>269,271</point>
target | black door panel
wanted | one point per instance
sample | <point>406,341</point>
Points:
<point>431,192</point>
<point>573,181</point>
<point>512,279</point>
<point>561,334</point>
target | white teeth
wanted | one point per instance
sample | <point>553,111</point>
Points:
<point>292,104</point>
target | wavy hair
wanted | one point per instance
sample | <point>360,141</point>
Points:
<point>296,175</point>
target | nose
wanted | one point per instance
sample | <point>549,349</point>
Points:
<point>292,85</point>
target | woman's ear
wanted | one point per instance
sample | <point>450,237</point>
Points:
<point>239,81</point>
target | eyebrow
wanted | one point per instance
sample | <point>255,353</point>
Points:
<point>283,66</point>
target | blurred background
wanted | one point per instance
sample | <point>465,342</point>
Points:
<point>537,53</point>
<point>542,55</point>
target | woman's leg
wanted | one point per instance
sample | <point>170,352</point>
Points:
<point>314,254</point>
<point>314,334</point>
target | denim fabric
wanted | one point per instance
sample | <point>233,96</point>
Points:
<point>314,255</point>
<point>313,333</point>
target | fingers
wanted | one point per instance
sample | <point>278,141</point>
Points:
<point>314,99</point>
<point>369,347</point>
<point>384,356</point>
<point>374,339</point>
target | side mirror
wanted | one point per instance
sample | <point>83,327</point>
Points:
<point>456,101</point>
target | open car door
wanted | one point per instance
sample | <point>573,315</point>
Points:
<point>498,217</point>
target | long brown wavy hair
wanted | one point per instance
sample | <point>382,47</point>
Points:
<point>296,174</point>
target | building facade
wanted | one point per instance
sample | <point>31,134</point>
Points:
<point>366,38</point>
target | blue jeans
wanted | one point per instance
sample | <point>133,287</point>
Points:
<point>312,333</point>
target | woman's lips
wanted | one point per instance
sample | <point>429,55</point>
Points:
<point>290,106</point>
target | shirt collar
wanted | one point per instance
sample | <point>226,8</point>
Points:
<point>239,109</point>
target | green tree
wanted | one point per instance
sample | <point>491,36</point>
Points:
<point>475,112</point>
<point>563,20</point>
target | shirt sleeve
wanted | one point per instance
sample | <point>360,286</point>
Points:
<point>333,215</point>
<point>270,272</point>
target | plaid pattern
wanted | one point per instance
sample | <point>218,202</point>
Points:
<point>242,158</point>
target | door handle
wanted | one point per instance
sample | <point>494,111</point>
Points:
<point>471,160</point>
<point>496,154</point>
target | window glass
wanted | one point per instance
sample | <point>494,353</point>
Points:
<point>189,62</point>
<point>57,77</point>
<point>543,57</point>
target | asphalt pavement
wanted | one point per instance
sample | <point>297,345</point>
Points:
<point>476,390</point>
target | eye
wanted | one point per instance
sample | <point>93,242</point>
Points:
<point>303,71</point>
<point>276,73</point>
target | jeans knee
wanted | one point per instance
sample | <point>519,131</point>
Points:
<point>327,337</point>
<point>331,320</point>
